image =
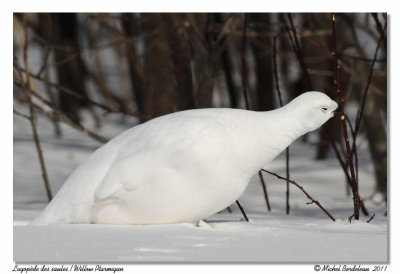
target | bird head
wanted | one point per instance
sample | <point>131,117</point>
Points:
<point>313,109</point>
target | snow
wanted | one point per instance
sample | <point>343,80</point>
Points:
<point>225,241</point>
<point>306,235</point>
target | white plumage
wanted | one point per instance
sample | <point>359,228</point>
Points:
<point>181,167</point>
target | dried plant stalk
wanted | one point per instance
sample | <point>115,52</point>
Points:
<point>313,201</point>
<point>244,85</point>
<point>281,104</point>
<point>242,210</point>
<point>26,87</point>
<point>264,190</point>
<point>354,183</point>
<point>244,63</point>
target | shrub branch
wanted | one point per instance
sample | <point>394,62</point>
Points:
<point>313,201</point>
<point>354,183</point>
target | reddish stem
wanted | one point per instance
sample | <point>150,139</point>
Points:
<point>313,201</point>
<point>354,183</point>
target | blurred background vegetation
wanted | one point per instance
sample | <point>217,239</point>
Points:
<point>150,64</point>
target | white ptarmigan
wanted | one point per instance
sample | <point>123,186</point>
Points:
<point>181,167</point>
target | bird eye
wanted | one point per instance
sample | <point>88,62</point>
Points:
<point>324,109</point>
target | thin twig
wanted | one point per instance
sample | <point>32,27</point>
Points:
<point>340,55</point>
<point>242,210</point>
<point>361,112</point>
<point>34,93</point>
<point>244,63</point>
<point>354,183</point>
<point>21,114</point>
<point>53,114</point>
<point>27,89</point>
<point>58,116</point>
<point>244,85</point>
<point>380,29</point>
<point>345,170</point>
<point>371,71</point>
<point>276,73</point>
<point>281,104</point>
<point>173,52</point>
<point>313,201</point>
<point>354,149</point>
<point>66,120</point>
<point>179,52</point>
<point>282,17</point>
<point>339,157</point>
<point>363,208</point>
<point>370,219</point>
<point>62,47</point>
<point>359,80</point>
<point>54,103</point>
<point>46,57</point>
<point>67,90</point>
<point>264,186</point>
<point>299,54</point>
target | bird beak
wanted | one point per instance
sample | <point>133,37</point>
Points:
<point>336,111</point>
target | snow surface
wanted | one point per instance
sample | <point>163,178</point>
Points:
<point>306,235</point>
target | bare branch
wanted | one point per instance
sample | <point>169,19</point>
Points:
<point>26,87</point>
<point>264,190</point>
<point>354,183</point>
<point>21,114</point>
<point>302,189</point>
<point>69,91</point>
<point>242,210</point>
<point>360,113</point>
<point>66,120</point>
<point>281,104</point>
<point>370,219</point>
<point>381,29</point>
<point>299,53</point>
<point>244,63</point>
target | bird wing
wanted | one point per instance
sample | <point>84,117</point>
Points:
<point>167,145</point>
